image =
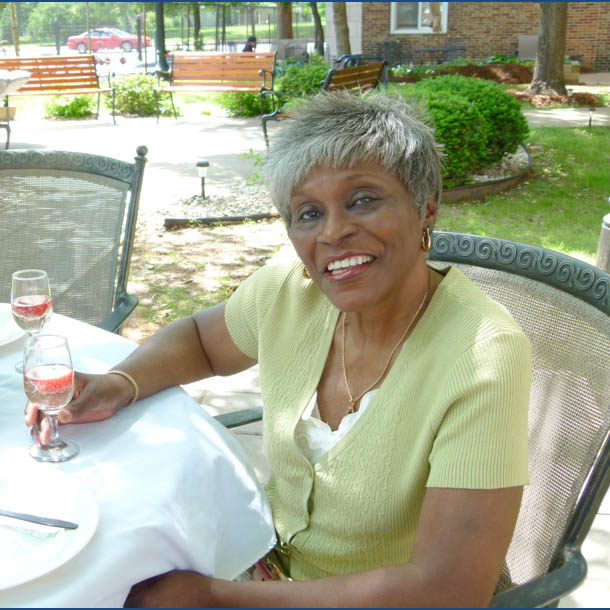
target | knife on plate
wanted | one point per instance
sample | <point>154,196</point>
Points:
<point>41,520</point>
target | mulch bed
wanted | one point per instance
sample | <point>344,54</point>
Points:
<point>578,99</point>
<point>513,74</point>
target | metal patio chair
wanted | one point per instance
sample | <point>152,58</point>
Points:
<point>73,215</point>
<point>563,305</point>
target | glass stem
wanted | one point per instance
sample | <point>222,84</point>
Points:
<point>54,426</point>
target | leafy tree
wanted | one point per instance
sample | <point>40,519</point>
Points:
<point>548,71</point>
<point>22,10</point>
<point>71,16</point>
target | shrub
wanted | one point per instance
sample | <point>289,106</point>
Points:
<point>300,78</point>
<point>506,126</point>
<point>69,107</point>
<point>292,77</point>
<point>459,127</point>
<point>134,95</point>
<point>242,103</point>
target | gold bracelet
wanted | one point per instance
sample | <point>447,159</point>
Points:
<point>132,381</point>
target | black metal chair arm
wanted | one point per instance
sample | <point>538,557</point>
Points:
<point>112,322</point>
<point>548,588</point>
<point>240,418</point>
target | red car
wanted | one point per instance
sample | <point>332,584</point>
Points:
<point>106,38</point>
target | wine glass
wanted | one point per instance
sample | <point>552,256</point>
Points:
<point>48,380</point>
<point>31,302</point>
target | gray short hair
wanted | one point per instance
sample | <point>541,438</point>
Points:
<point>340,129</point>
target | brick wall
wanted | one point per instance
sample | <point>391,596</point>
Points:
<point>493,27</point>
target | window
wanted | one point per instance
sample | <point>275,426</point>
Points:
<point>418,17</point>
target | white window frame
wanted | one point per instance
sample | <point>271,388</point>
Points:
<point>421,29</point>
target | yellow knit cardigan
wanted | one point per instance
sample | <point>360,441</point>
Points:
<point>451,412</point>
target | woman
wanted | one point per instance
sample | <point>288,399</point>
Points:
<point>395,394</point>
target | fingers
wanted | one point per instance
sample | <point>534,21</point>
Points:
<point>31,414</point>
<point>40,429</point>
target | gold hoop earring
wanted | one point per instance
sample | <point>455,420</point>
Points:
<point>306,274</point>
<point>426,240</point>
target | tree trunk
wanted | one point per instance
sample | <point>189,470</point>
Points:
<point>250,11</point>
<point>14,30</point>
<point>319,44</point>
<point>88,27</point>
<point>548,71</point>
<point>341,28</point>
<point>223,24</point>
<point>196,22</point>
<point>284,20</point>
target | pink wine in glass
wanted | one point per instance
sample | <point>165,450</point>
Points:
<point>49,387</point>
<point>32,312</point>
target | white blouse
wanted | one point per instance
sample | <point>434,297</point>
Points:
<point>314,436</point>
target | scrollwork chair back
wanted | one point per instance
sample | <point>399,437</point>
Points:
<point>74,215</point>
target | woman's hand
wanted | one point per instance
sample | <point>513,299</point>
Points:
<point>96,397</point>
<point>177,589</point>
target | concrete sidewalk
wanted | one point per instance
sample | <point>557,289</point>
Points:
<point>174,148</point>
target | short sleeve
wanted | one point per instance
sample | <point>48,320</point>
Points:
<point>481,442</point>
<point>248,305</point>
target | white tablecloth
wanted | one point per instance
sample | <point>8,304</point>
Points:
<point>174,488</point>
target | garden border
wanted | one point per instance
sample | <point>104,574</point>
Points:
<point>480,190</point>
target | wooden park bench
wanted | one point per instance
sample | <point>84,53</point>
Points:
<point>358,77</point>
<point>58,75</point>
<point>216,72</point>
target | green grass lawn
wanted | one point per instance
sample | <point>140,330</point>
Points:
<point>559,206</point>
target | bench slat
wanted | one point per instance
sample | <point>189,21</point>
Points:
<point>365,77</point>
<point>56,75</point>
<point>362,83</point>
<point>218,71</point>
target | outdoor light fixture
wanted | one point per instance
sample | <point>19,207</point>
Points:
<point>591,111</point>
<point>202,170</point>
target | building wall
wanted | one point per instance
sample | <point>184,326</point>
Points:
<point>493,27</point>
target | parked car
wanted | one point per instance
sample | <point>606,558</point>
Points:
<point>106,38</point>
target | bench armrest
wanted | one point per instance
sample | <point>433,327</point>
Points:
<point>549,587</point>
<point>267,75</point>
<point>165,74</point>
<point>278,99</point>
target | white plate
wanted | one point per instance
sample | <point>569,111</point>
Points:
<point>28,550</point>
<point>9,331</point>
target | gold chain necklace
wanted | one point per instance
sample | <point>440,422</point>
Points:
<point>352,400</point>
